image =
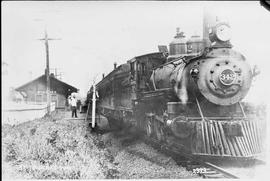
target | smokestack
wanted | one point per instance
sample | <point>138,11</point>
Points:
<point>115,65</point>
<point>209,20</point>
<point>103,75</point>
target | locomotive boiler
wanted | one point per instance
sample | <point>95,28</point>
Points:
<point>188,97</point>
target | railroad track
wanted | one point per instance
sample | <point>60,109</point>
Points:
<point>200,167</point>
<point>206,170</point>
<point>197,166</point>
<point>203,169</point>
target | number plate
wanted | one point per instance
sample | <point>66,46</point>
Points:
<point>227,77</point>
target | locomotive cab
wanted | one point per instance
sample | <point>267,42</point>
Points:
<point>141,69</point>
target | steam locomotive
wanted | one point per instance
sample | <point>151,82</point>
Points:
<point>188,97</point>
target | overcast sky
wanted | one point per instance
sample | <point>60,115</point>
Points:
<point>94,35</point>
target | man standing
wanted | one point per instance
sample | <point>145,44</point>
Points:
<point>74,106</point>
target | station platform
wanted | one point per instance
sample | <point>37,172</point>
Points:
<point>100,120</point>
<point>67,115</point>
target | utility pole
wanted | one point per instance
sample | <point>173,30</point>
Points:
<point>57,73</point>
<point>47,70</point>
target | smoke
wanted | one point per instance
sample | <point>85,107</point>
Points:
<point>181,87</point>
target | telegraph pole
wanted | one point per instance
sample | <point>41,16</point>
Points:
<point>47,70</point>
<point>57,73</point>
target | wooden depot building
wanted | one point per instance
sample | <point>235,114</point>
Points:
<point>35,91</point>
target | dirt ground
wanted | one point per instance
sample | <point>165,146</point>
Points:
<point>57,148</point>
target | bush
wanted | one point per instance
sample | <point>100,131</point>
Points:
<point>43,149</point>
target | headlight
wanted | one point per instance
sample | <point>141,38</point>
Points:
<point>223,32</point>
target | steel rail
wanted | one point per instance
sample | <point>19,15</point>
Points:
<point>209,170</point>
<point>221,170</point>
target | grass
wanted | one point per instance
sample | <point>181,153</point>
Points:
<point>51,148</point>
